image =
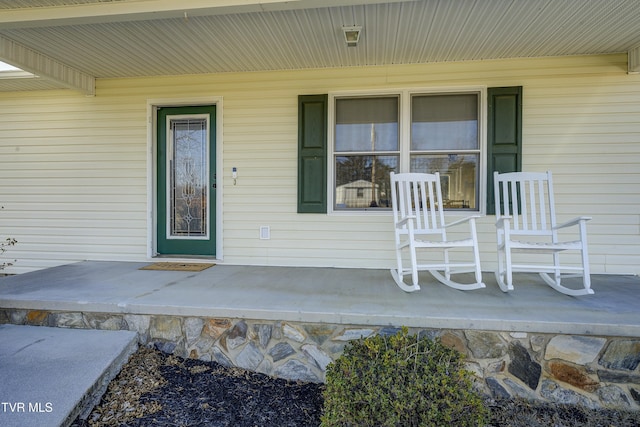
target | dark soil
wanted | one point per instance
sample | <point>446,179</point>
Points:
<point>156,389</point>
<point>516,413</point>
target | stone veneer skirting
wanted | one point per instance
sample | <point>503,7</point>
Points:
<point>593,371</point>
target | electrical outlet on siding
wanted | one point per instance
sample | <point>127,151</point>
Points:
<point>265,232</point>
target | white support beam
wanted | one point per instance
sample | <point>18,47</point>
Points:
<point>633,60</point>
<point>41,65</point>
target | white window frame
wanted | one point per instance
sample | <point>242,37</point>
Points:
<point>404,135</point>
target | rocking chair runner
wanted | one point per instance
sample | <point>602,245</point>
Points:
<point>419,224</point>
<point>525,210</point>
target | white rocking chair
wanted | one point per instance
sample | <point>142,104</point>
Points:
<point>418,217</point>
<point>525,210</point>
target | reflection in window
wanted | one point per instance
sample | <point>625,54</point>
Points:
<point>458,174</point>
<point>363,181</point>
<point>366,151</point>
<point>443,137</point>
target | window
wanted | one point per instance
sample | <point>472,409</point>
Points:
<point>443,126</point>
<point>367,149</point>
<point>373,137</point>
<point>445,139</point>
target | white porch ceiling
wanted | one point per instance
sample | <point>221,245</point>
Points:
<point>70,42</point>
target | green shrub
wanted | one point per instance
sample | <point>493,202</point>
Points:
<point>401,381</point>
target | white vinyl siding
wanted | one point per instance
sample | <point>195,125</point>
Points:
<point>72,178</point>
<point>74,172</point>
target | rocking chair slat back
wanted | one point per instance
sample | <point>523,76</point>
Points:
<point>418,196</point>
<point>528,199</point>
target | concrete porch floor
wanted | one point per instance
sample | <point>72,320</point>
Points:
<point>327,295</point>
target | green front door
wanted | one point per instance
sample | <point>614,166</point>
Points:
<point>186,181</point>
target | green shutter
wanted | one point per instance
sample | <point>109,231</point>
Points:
<point>312,153</point>
<point>504,135</point>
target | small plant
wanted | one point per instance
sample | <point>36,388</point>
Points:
<point>401,380</point>
<point>3,248</point>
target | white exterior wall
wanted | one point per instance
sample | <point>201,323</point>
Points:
<point>74,170</point>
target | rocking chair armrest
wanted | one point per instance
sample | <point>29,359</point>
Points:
<point>405,220</point>
<point>500,222</point>
<point>572,222</point>
<point>461,220</point>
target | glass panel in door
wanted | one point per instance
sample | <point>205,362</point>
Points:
<point>188,178</point>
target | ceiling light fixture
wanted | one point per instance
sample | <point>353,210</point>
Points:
<point>352,35</point>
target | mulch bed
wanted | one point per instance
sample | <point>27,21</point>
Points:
<point>156,389</point>
<point>518,413</point>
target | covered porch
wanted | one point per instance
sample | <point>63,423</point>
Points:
<point>365,297</point>
<point>291,323</point>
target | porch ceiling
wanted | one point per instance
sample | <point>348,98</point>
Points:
<point>69,43</point>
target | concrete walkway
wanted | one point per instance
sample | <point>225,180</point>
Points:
<point>49,376</point>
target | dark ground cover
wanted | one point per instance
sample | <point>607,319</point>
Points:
<point>156,389</point>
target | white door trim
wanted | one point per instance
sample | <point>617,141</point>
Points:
<point>152,217</point>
